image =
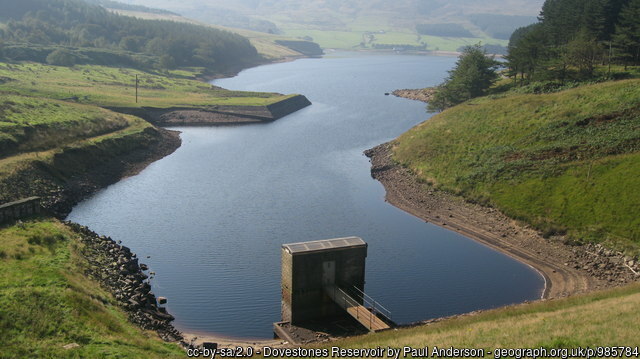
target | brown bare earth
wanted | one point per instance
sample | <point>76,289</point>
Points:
<point>198,117</point>
<point>566,269</point>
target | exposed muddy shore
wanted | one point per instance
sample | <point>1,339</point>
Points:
<point>567,270</point>
<point>219,114</point>
<point>76,173</point>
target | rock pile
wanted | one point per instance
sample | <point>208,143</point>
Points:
<point>117,269</point>
<point>606,264</point>
<point>424,95</point>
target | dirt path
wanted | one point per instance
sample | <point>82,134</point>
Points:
<point>566,269</point>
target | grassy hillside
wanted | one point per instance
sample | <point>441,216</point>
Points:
<point>115,87</point>
<point>611,321</point>
<point>563,162</point>
<point>35,124</point>
<point>47,303</point>
<point>36,129</point>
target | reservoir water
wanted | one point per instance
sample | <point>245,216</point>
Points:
<point>213,215</point>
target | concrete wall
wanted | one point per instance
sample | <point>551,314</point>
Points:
<point>304,276</point>
<point>19,209</point>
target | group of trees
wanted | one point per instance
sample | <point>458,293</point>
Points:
<point>77,24</point>
<point>473,74</point>
<point>571,39</point>
<point>573,36</point>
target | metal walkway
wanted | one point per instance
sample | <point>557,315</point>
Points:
<point>367,317</point>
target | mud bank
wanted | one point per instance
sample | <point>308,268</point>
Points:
<point>218,115</point>
<point>77,172</point>
<point>567,270</point>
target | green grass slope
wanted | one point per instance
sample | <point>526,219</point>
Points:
<point>563,162</point>
<point>611,321</point>
<point>36,129</point>
<point>29,124</point>
<point>115,87</point>
<point>46,145</point>
<point>47,303</point>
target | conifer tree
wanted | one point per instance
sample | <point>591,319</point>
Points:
<point>473,74</point>
<point>627,36</point>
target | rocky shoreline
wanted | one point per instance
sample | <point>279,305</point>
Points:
<point>567,269</point>
<point>424,95</point>
<point>118,270</point>
<point>76,174</point>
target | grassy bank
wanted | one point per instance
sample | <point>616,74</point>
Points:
<point>115,87</point>
<point>566,162</point>
<point>46,302</point>
<point>63,151</point>
<point>36,124</point>
<point>611,320</point>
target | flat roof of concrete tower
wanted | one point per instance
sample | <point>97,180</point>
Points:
<point>325,244</point>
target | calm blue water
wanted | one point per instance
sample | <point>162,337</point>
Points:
<point>213,215</point>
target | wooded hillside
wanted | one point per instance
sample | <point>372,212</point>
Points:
<point>65,32</point>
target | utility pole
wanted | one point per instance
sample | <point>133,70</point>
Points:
<point>136,88</point>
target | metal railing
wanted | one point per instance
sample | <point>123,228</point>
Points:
<point>359,311</point>
<point>375,306</point>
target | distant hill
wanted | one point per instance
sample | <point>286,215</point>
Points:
<point>122,6</point>
<point>347,21</point>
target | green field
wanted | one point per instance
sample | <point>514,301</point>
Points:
<point>115,87</point>
<point>351,39</point>
<point>563,162</point>
<point>599,319</point>
<point>352,35</point>
<point>46,302</point>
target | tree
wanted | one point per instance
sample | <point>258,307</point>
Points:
<point>527,51</point>
<point>473,74</point>
<point>627,36</point>
<point>61,57</point>
<point>582,52</point>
